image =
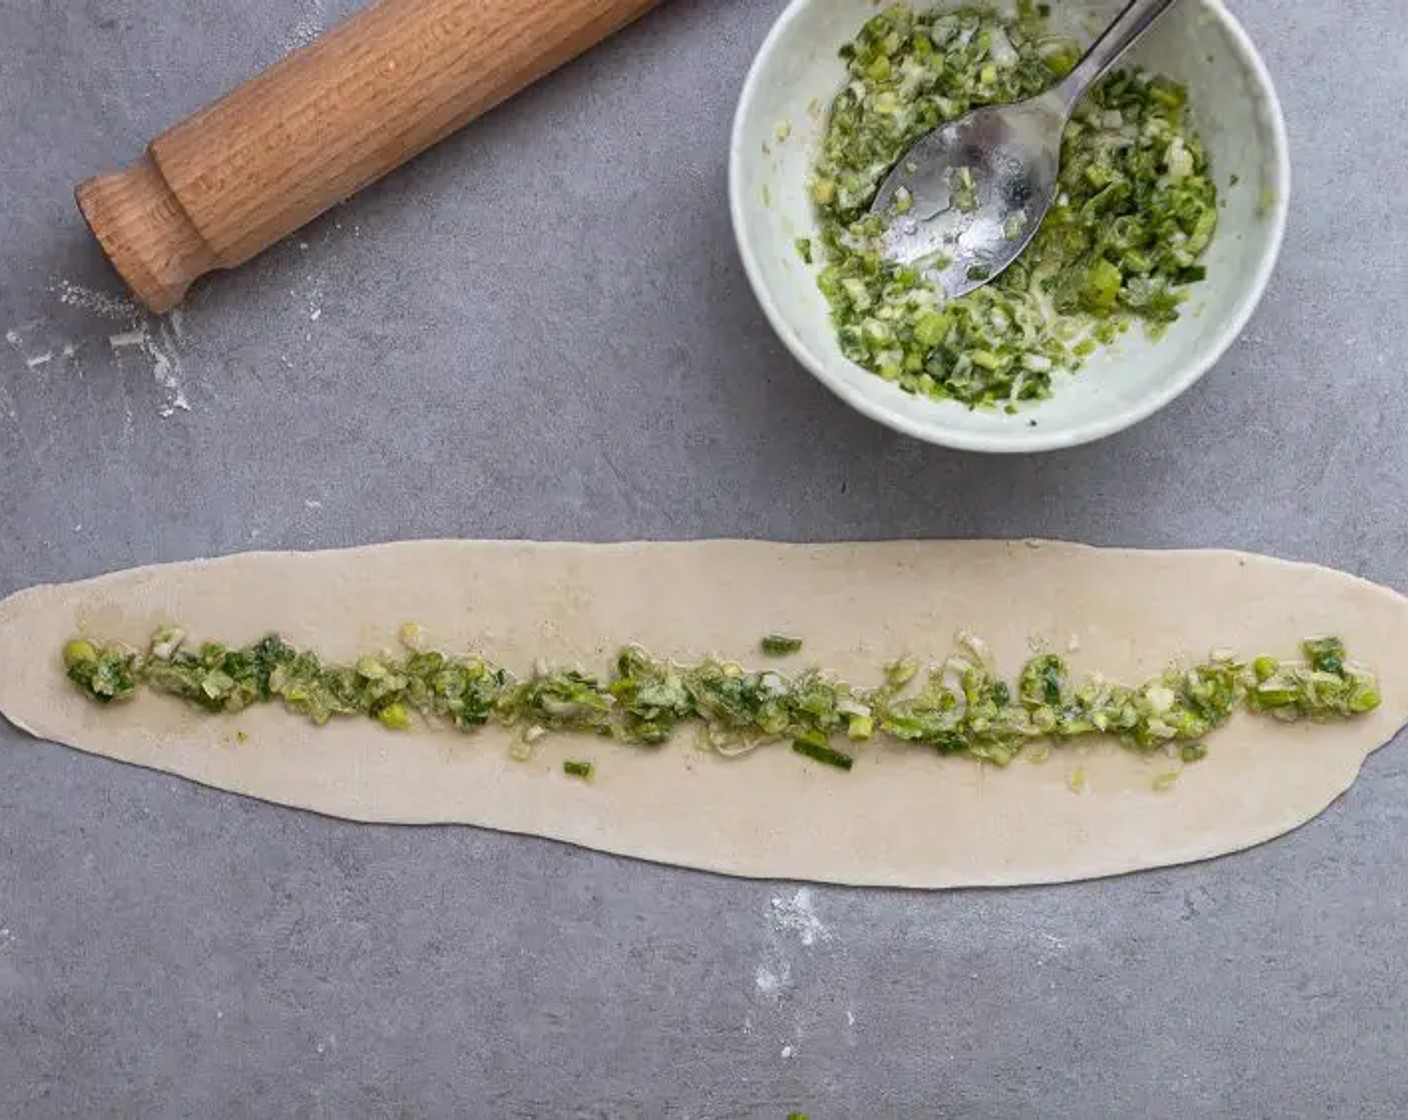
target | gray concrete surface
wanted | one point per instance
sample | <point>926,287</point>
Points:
<point>485,346</point>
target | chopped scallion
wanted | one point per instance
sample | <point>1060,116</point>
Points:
<point>781,645</point>
<point>960,706</point>
<point>827,755</point>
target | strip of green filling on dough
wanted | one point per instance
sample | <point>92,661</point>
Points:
<point>959,706</point>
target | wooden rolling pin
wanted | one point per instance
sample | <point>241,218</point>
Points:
<point>323,123</point>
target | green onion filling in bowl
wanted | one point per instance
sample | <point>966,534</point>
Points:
<point>1173,194</point>
<point>1136,209</point>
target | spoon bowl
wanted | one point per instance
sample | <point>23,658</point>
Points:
<point>968,197</point>
<point>973,192</point>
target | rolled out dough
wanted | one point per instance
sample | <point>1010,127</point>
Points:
<point>902,817</point>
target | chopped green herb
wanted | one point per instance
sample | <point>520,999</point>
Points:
<point>824,754</point>
<point>1193,752</point>
<point>957,707</point>
<point>780,645</point>
<point>105,674</point>
<point>1136,211</point>
<point>393,715</point>
<point>583,770</point>
<point>964,191</point>
<point>804,249</point>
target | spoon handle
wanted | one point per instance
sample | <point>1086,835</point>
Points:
<point>1137,17</point>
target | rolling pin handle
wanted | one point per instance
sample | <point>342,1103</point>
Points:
<point>277,151</point>
<point>146,233</point>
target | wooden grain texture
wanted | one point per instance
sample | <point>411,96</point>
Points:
<point>322,123</point>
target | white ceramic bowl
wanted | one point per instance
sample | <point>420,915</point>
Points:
<point>1233,107</point>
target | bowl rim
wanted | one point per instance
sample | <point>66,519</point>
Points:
<point>1026,440</point>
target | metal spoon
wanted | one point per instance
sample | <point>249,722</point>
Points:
<point>980,185</point>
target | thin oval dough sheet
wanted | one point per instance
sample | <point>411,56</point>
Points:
<point>903,816</point>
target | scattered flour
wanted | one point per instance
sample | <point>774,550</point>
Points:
<point>790,921</point>
<point>787,917</point>
<point>157,341</point>
<point>103,304</point>
<point>771,983</point>
<point>797,915</point>
<point>38,346</point>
